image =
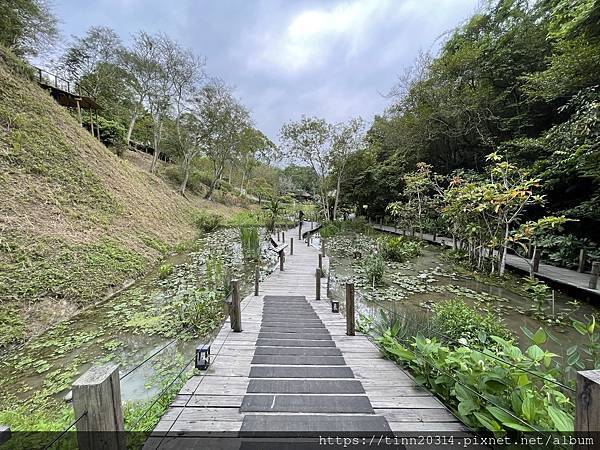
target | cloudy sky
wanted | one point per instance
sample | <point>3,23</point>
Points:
<point>286,58</point>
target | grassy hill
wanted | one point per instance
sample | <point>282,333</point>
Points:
<point>76,221</point>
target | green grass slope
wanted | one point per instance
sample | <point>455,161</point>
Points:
<point>76,221</point>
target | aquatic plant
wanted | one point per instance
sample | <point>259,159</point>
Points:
<point>400,249</point>
<point>374,267</point>
<point>207,222</point>
<point>250,242</point>
<point>454,320</point>
<point>500,390</point>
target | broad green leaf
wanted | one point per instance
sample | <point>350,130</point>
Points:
<point>535,353</point>
<point>466,407</point>
<point>528,409</point>
<point>539,337</point>
<point>487,422</point>
<point>561,420</point>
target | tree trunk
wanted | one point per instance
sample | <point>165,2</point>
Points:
<point>132,122</point>
<point>504,248</point>
<point>186,175</point>
<point>337,196</point>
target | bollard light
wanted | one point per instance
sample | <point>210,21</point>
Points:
<point>335,306</point>
<point>203,357</point>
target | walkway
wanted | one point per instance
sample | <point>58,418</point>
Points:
<point>565,277</point>
<point>293,371</point>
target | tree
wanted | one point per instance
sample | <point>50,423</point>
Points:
<point>254,147</point>
<point>93,60</point>
<point>222,120</point>
<point>26,26</point>
<point>141,63</point>
<point>348,138</point>
<point>186,75</point>
<point>309,140</point>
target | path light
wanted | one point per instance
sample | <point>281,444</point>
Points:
<point>335,306</point>
<point>203,357</point>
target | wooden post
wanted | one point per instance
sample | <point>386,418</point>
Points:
<point>235,312</point>
<point>97,396</point>
<point>256,280</point>
<point>320,262</point>
<point>350,325</point>
<point>291,246</point>
<point>308,240</point>
<point>594,278</point>
<point>278,236</point>
<point>91,122</point>
<point>281,259</point>
<point>5,434</point>
<point>535,260</point>
<point>587,404</point>
<point>318,284</point>
<point>283,236</point>
<point>300,231</point>
<point>322,246</point>
<point>582,258</point>
<point>97,125</point>
<point>79,112</point>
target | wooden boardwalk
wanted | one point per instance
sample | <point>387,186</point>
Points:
<point>293,370</point>
<point>569,278</point>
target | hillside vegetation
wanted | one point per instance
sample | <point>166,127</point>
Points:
<point>76,221</point>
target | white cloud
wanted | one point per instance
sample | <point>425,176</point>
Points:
<point>310,36</point>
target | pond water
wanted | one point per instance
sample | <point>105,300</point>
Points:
<point>412,288</point>
<point>132,326</point>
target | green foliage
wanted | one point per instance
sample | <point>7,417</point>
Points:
<point>11,324</point>
<point>35,268</point>
<point>585,356</point>
<point>26,26</point>
<point>207,221</point>
<point>458,322</point>
<point>539,291</point>
<point>112,133</point>
<point>400,249</point>
<point>250,242</point>
<point>374,267</point>
<point>165,270</point>
<point>482,390</point>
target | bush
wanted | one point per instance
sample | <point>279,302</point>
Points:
<point>400,249</point>
<point>455,320</point>
<point>330,229</point>
<point>165,270</point>
<point>207,222</point>
<point>112,133</point>
<point>374,268</point>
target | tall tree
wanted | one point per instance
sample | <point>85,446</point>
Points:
<point>223,120</point>
<point>26,26</point>
<point>309,140</point>
<point>348,138</point>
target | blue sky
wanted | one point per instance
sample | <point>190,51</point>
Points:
<point>327,58</point>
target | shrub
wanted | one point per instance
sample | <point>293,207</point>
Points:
<point>330,229</point>
<point>207,222</point>
<point>400,249</point>
<point>112,133</point>
<point>374,268</point>
<point>455,320</point>
<point>165,270</point>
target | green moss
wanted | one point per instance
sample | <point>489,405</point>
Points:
<point>11,324</point>
<point>33,267</point>
<point>155,243</point>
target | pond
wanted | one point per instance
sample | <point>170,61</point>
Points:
<point>142,321</point>
<point>412,288</point>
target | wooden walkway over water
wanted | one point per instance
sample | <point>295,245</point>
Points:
<point>569,278</point>
<point>293,370</point>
